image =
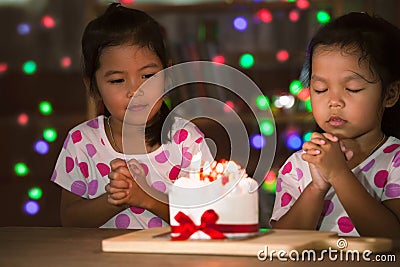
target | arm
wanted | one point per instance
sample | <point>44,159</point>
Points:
<point>80,212</point>
<point>123,189</point>
<point>370,217</point>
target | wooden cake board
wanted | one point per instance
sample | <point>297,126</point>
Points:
<point>157,240</point>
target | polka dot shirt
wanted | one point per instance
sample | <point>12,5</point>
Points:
<point>83,166</point>
<point>379,174</point>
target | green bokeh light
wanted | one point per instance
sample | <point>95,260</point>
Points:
<point>35,193</point>
<point>21,169</point>
<point>262,102</point>
<point>269,187</point>
<point>45,108</point>
<point>267,127</point>
<point>295,87</point>
<point>323,17</point>
<point>246,61</point>
<point>308,105</point>
<point>29,67</point>
<point>307,136</point>
<point>50,134</point>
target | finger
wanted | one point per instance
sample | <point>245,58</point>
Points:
<point>117,163</point>
<point>117,195</point>
<point>135,167</point>
<point>120,184</point>
<point>310,146</point>
<point>330,137</point>
<point>120,173</point>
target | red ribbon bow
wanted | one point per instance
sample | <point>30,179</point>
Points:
<point>187,227</point>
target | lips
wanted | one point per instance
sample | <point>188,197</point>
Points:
<point>137,107</point>
<point>336,121</point>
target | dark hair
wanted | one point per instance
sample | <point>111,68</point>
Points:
<point>377,41</point>
<point>120,25</point>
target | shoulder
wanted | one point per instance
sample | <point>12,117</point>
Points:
<point>88,130</point>
<point>294,163</point>
<point>181,124</point>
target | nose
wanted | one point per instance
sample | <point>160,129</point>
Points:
<point>335,100</point>
<point>134,91</point>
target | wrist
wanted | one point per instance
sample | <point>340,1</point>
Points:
<point>318,190</point>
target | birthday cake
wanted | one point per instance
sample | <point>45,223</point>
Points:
<point>216,202</point>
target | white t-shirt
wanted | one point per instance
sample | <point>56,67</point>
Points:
<point>379,174</point>
<point>84,164</point>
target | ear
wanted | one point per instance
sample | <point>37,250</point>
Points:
<point>392,94</point>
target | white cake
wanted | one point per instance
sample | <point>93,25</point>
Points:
<point>217,202</point>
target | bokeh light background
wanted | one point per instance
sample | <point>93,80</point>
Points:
<point>43,96</point>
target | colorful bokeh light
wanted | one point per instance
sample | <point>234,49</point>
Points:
<point>307,136</point>
<point>31,207</point>
<point>48,22</point>
<point>3,67</point>
<point>304,94</point>
<point>29,67</point>
<point>294,141</point>
<point>219,59</point>
<point>267,127</point>
<point>302,4</point>
<point>21,169</point>
<point>23,119</point>
<point>246,61</point>
<point>45,108</point>
<point>229,106</point>
<point>282,55</point>
<point>50,134</point>
<point>264,15</point>
<point>65,62</point>
<point>35,193</point>
<point>294,15</point>
<point>323,17</point>
<point>258,141</point>
<point>41,147</point>
<point>295,87</point>
<point>240,23</point>
<point>23,28</point>
<point>262,102</point>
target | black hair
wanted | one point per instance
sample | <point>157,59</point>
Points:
<point>120,25</point>
<point>376,41</point>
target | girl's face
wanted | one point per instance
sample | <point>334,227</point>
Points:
<point>345,95</point>
<point>123,69</point>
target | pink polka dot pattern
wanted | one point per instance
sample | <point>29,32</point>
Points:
<point>391,148</point>
<point>199,140</point>
<point>345,224</point>
<point>279,185</point>
<point>159,186</point>
<point>69,164</point>
<point>180,136</point>
<point>102,142</point>
<point>78,187</point>
<point>91,150</point>
<point>93,123</point>
<point>162,157</point>
<point>137,210</point>
<point>287,168</point>
<point>54,176</point>
<point>92,187</point>
<point>285,199</point>
<point>174,172</point>
<point>299,174</point>
<point>327,208</point>
<point>154,222</point>
<point>122,221</point>
<point>392,190</point>
<point>66,141</point>
<point>396,160</point>
<point>186,157</point>
<point>145,168</point>
<point>368,166</point>
<point>381,178</point>
<point>103,169</point>
<point>76,136</point>
<point>84,169</point>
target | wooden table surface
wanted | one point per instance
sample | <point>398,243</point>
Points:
<point>58,246</point>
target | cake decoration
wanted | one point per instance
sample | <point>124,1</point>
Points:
<point>216,201</point>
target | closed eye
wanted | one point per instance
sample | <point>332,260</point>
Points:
<point>320,91</point>
<point>353,90</point>
<point>117,81</point>
<point>147,76</point>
